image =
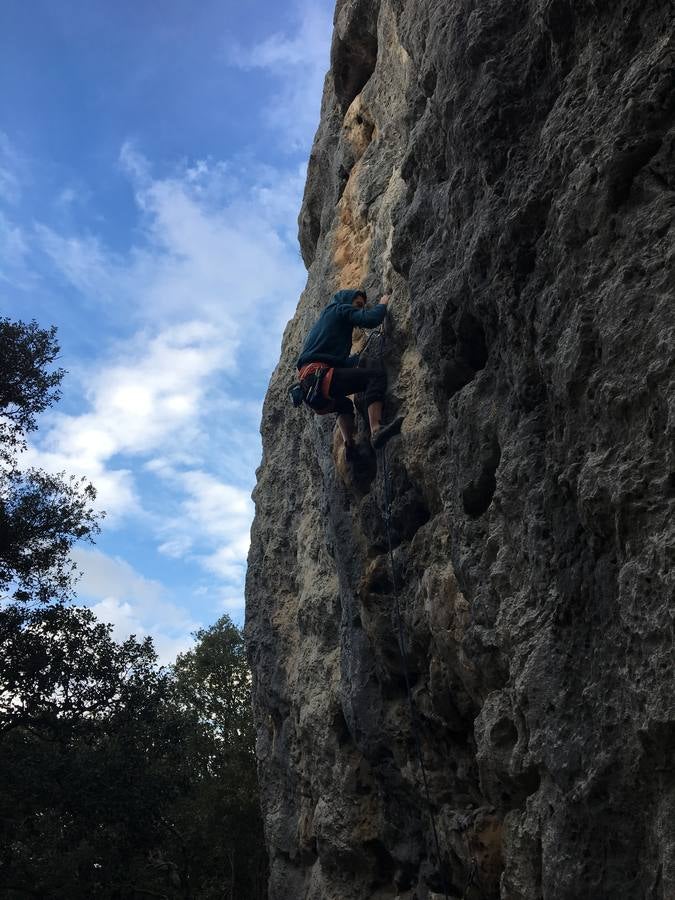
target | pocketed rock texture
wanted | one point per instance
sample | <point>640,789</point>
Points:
<point>507,171</point>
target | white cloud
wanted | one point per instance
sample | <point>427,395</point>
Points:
<point>221,515</point>
<point>211,246</point>
<point>299,62</point>
<point>13,238</point>
<point>148,398</point>
<point>132,604</point>
<point>85,263</point>
<point>104,576</point>
<point>233,605</point>
<point>11,166</point>
<point>204,286</point>
<point>13,249</point>
<point>169,429</point>
<point>222,509</point>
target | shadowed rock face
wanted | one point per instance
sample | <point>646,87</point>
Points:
<point>507,170</point>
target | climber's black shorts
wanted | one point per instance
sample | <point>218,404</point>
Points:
<point>372,382</point>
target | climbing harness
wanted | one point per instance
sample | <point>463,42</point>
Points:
<point>313,389</point>
<point>414,716</point>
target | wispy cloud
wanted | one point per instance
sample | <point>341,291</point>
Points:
<point>149,396</point>
<point>205,294</point>
<point>299,60</point>
<point>224,513</point>
<point>177,313</point>
<point>84,262</point>
<point>13,248</point>
<point>194,258</point>
<point>11,165</point>
<point>133,604</point>
<point>212,523</point>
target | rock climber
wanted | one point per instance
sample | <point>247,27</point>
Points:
<point>327,350</point>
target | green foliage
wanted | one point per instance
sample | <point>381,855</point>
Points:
<point>61,668</point>
<point>220,818</point>
<point>41,515</point>
<point>26,385</point>
<point>87,751</point>
<point>214,680</point>
<point>118,779</point>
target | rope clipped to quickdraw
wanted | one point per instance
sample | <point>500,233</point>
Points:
<point>414,718</point>
<point>376,332</point>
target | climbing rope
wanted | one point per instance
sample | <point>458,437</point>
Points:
<point>472,879</point>
<point>414,717</point>
<point>376,332</point>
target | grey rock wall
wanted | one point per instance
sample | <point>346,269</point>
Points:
<point>507,171</point>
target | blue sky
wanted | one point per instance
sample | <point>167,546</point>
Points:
<point>152,162</point>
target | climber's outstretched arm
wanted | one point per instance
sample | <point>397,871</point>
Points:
<point>366,318</point>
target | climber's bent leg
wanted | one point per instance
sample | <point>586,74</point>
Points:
<point>375,392</point>
<point>375,415</point>
<point>346,426</point>
<point>373,383</point>
<point>370,382</point>
<point>345,418</point>
<point>353,381</point>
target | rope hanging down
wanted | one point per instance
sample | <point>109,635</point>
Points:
<point>414,718</point>
<point>404,659</point>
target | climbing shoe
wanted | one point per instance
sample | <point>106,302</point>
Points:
<point>380,437</point>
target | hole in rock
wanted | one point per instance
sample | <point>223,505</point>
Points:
<point>623,170</point>
<point>384,863</point>
<point>394,688</point>
<point>526,259</point>
<point>516,791</point>
<point>380,582</point>
<point>352,63</point>
<point>409,512</point>
<point>341,729</point>
<point>428,82</point>
<point>477,495</point>
<point>504,733</point>
<point>472,344</point>
<point>382,754</point>
<point>404,878</point>
<point>463,351</point>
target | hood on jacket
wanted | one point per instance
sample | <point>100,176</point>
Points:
<point>343,297</point>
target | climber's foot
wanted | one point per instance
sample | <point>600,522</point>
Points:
<point>380,437</point>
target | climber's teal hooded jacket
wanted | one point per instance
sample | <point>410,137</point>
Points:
<point>330,340</point>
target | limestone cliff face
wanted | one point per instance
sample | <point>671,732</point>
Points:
<point>507,170</point>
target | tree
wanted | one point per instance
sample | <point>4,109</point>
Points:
<point>41,515</point>
<point>88,751</point>
<point>214,680</point>
<point>118,779</point>
<point>219,816</point>
<point>27,387</point>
